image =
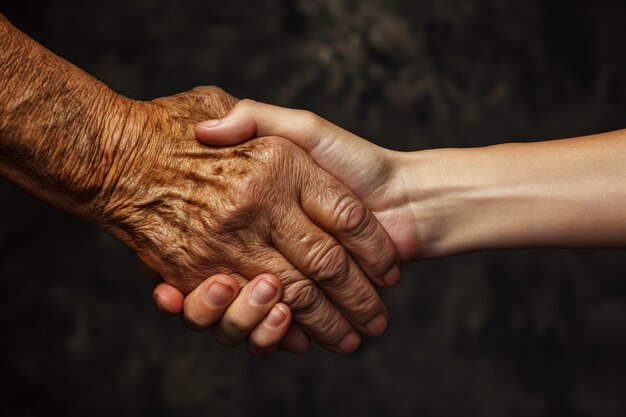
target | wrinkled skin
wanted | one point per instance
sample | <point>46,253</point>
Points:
<point>191,211</point>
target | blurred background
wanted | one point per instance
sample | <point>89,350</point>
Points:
<point>518,333</point>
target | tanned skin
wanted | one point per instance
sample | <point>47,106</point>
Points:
<point>190,211</point>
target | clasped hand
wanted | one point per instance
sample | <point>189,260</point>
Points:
<point>363,167</point>
<point>192,211</point>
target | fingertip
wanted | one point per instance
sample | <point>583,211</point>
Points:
<point>377,325</point>
<point>219,290</point>
<point>211,135</point>
<point>279,316</point>
<point>392,277</point>
<point>349,343</point>
<point>168,299</point>
<point>273,279</point>
<point>220,294</point>
<point>208,301</point>
<point>266,338</point>
<point>387,279</point>
<point>232,129</point>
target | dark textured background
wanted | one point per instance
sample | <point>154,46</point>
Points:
<point>524,333</point>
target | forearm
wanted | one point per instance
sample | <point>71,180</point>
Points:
<point>55,135</point>
<point>565,193</point>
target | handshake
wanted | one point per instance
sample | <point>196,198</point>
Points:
<point>273,226</point>
<point>278,236</point>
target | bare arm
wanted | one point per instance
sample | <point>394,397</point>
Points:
<point>56,121</point>
<point>554,194</point>
<point>441,202</point>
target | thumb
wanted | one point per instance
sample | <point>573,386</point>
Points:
<point>357,163</point>
<point>250,119</point>
<point>234,128</point>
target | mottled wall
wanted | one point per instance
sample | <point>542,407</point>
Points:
<point>523,333</point>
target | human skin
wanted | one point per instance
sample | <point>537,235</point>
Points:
<point>250,315</point>
<point>135,170</point>
<point>567,193</point>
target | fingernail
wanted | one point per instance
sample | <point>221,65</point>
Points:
<point>210,123</point>
<point>263,292</point>
<point>276,317</point>
<point>377,325</point>
<point>392,277</point>
<point>219,294</point>
<point>350,342</point>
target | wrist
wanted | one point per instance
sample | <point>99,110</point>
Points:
<point>515,195</point>
<point>445,191</point>
<point>130,137</point>
<point>151,153</point>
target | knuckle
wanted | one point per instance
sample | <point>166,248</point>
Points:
<point>326,325</point>
<point>351,216</point>
<point>366,305</point>
<point>329,264</point>
<point>334,330</point>
<point>306,122</point>
<point>307,304</point>
<point>302,295</point>
<point>310,119</point>
<point>217,99</point>
<point>382,262</point>
<point>246,104</point>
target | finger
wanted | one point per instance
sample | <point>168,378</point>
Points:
<point>232,129</point>
<point>295,341</point>
<point>168,299</point>
<point>250,119</point>
<point>265,338</point>
<point>206,304</point>
<point>311,309</point>
<point>341,213</point>
<point>320,257</point>
<point>253,304</point>
<point>351,222</point>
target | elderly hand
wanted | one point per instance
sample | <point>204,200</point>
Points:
<point>191,211</point>
<point>447,201</point>
<point>370,171</point>
<point>135,170</point>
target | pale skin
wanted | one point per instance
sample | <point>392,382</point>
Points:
<point>568,193</point>
<point>189,211</point>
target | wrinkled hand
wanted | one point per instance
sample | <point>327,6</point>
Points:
<point>191,211</point>
<point>370,171</point>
